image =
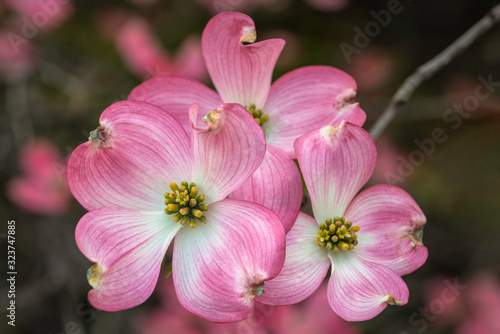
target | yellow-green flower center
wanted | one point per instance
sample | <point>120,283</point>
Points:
<point>185,203</point>
<point>258,115</point>
<point>337,234</point>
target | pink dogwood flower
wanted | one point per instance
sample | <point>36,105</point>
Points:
<point>369,240</point>
<point>298,102</point>
<point>146,182</point>
<point>43,188</point>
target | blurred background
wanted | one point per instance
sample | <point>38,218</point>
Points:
<point>62,62</point>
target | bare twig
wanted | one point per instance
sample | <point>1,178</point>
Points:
<point>430,68</point>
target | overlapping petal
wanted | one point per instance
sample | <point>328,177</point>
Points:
<point>175,95</point>
<point>306,99</point>
<point>128,246</point>
<point>360,289</point>
<point>216,265</point>
<point>131,159</point>
<point>391,228</point>
<point>227,152</point>
<point>306,265</point>
<point>241,73</point>
<point>276,184</point>
<point>336,163</point>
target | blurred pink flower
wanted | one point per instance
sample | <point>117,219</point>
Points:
<point>44,15</point>
<point>371,69</point>
<point>43,188</point>
<point>292,51</point>
<point>18,57</point>
<point>382,224</point>
<point>144,2</point>
<point>482,301</point>
<point>140,50</point>
<point>328,5</point>
<point>189,60</point>
<point>458,88</point>
<point>146,182</point>
<point>319,318</point>
<point>473,326</point>
<point>144,55</point>
<point>311,317</point>
<point>473,308</point>
<point>219,6</point>
<point>437,291</point>
<point>386,168</point>
<point>170,317</point>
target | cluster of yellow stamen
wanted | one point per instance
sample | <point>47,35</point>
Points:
<point>185,203</point>
<point>258,115</point>
<point>338,234</point>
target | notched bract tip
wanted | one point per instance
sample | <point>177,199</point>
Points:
<point>214,119</point>
<point>416,235</point>
<point>94,275</point>
<point>346,100</point>
<point>389,299</point>
<point>255,287</point>
<point>328,132</point>
<point>101,137</point>
<point>249,35</point>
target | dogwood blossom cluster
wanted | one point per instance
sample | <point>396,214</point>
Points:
<point>213,174</point>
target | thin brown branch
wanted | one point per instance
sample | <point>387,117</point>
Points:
<point>427,70</point>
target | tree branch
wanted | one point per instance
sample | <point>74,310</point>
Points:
<point>427,70</point>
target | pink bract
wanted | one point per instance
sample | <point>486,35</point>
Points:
<point>336,162</point>
<point>43,188</point>
<point>121,175</point>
